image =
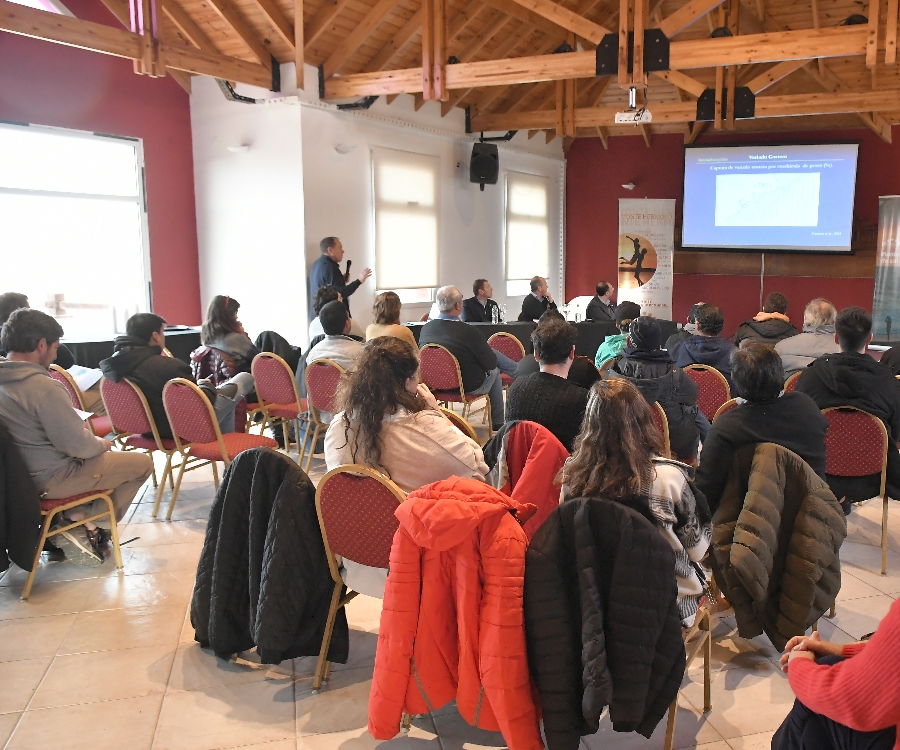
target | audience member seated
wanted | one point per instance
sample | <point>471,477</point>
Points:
<point>791,420</point>
<point>771,325</point>
<point>853,378</point>
<point>706,346</point>
<point>538,302</point>
<point>222,330</point>
<point>138,357</point>
<point>613,345</point>
<point>848,695</point>
<point>326,272</point>
<point>11,301</point>
<point>625,465</point>
<point>480,307</point>
<point>652,371</point>
<point>388,421</point>
<point>816,340</point>
<point>546,397</point>
<point>322,297</point>
<point>63,457</point>
<point>387,320</point>
<point>581,373</point>
<point>689,329</point>
<point>479,365</point>
<point>602,309</point>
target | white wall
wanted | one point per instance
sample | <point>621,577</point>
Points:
<point>248,205</point>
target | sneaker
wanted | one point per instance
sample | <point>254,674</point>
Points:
<point>98,538</point>
<point>54,553</point>
<point>77,547</point>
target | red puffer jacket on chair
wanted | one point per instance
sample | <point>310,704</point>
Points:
<point>452,623</point>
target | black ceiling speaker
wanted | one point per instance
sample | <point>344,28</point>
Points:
<point>484,167</point>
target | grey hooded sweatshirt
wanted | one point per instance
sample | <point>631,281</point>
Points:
<point>37,411</point>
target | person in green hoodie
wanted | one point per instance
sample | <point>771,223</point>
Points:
<point>613,345</point>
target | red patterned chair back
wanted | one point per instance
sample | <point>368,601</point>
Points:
<point>190,414</point>
<point>60,375</point>
<point>714,390</point>
<point>791,382</point>
<point>856,443</point>
<point>126,407</point>
<point>662,424</point>
<point>274,381</point>
<point>356,507</point>
<point>507,344</point>
<point>439,368</point>
<point>322,377</point>
<point>730,404</point>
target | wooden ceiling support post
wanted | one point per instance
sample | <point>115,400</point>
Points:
<point>641,19</point>
<point>428,49</point>
<point>720,79</point>
<point>815,18</point>
<point>890,33</point>
<point>439,78</point>
<point>299,45</point>
<point>560,105</point>
<point>569,97</point>
<point>625,19</point>
<point>872,37</point>
<point>732,69</point>
<point>145,23</point>
<point>604,137</point>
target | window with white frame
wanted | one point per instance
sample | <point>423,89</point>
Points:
<point>73,226</point>
<point>527,231</point>
<point>406,198</point>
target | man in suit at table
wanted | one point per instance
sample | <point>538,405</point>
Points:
<point>479,309</point>
<point>602,309</point>
<point>538,302</point>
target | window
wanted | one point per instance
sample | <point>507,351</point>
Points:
<point>527,232</point>
<point>405,191</point>
<point>72,214</point>
<point>51,6</point>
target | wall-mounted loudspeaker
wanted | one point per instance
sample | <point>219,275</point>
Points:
<point>484,167</point>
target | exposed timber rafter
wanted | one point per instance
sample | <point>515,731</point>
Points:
<point>355,38</point>
<point>230,15</point>
<point>567,19</point>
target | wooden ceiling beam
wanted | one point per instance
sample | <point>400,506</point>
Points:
<point>682,82</point>
<point>686,15</point>
<point>461,20</point>
<point>523,14</point>
<point>330,10</point>
<point>832,83</point>
<point>214,65</point>
<point>230,15</point>
<point>567,19</point>
<point>299,43</point>
<point>396,43</point>
<point>469,51</point>
<point>186,25</point>
<point>774,74</point>
<point>362,31</point>
<point>279,22</point>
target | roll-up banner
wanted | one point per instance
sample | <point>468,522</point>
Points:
<point>886,305</point>
<point>646,243</point>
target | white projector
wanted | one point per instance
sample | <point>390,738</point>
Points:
<point>633,117</point>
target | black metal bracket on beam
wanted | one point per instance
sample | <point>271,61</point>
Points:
<point>744,104</point>
<point>656,53</point>
<point>232,95</point>
<point>276,75</point>
<point>510,134</point>
<point>364,103</point>
<point>468,120</point>
<point>321,82</point>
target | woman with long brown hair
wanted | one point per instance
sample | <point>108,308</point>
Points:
<point>618,456</point>
<point>387,319</point>
<point>223,330</point>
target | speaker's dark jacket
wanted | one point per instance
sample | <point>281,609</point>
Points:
<point>598,310</point>
<point>533,308</point>
<point>474,312</point>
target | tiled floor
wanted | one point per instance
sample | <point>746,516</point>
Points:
<point>101,660</point>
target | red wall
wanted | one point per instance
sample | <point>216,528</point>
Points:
<point>49,84</point>
<point>593,188</point>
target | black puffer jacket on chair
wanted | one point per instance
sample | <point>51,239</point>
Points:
<point>263,578</point>
<point>601,620</point>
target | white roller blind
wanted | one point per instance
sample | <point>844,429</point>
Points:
<point>527,231</point>
<point>405,189</point>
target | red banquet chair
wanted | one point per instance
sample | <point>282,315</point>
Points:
<point>791,382</point>
<point>714,390</point>
<point>440,372</point>
<point>355,505</point>
<point>278,396</point>
<point>197,435</point>
<point>730,404</point>
<point>132,420</point>
<point>99,426</point>
<point>662,424</point>
<point>856,445</point>
<point>507,344</point>
<point>322,378</point>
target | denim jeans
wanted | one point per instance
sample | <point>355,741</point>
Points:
<point>494,388</point>
<point>226,405</point>
<point>506,365</point>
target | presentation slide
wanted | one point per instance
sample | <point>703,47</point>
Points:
<point>796,197</point>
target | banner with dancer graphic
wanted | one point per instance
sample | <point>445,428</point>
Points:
<point>646,243</point>
<point>886,305</point>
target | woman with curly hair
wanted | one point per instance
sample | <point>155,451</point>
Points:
<point>625,464</point>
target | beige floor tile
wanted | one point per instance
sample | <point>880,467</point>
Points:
<point>162,558</point>
<point>745,700</point>
<point>341,706</point>
<point>362,655</point>
<point>48,572</point>
<point>19,681</point>
<point>853,587</point>
<point>456,733</point>
<point>289,744</point>
<point>154,589</point>
<point>193,503</point>
<point>729,651</point>
<point>830,632</point>
<point>860,616</point>
<point>110,725</point>
<point>187,630</point>
<point>422,736</point>
<point>114,629</point>
<point>7,724</point>
<point>33,637</point>
<point>105,676</point>
<point>863,561</point>
<point>152,533</point>
<point>364,613</point>
<point>57,598</point>
<point>226,716</point>
<point>196,668</point>
<point>762,741</point>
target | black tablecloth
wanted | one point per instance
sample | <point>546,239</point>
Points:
<point>590,334</point>
<point>88,353</point>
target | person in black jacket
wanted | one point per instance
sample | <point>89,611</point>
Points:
<point>538,302</point>
<point>12,301</point>
<point>480,308</point>
<point>791,420</point>
<point>771,325</point>
<point>479,365</point>
<point>138,357</point>
<point>706,346</point>
<point>683,334</point>
<point>853,378</point>
<point>654,374</point>
<point>602,308</point>
<point>326,272</point>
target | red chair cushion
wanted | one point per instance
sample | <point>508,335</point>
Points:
<point>506,379</point>
<point>149,444</point>
<point>235,442</point>
<point>286,411</point>
<point>455,397</point>
<point>48,505</point>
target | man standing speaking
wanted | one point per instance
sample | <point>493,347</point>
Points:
<point>326,272</point>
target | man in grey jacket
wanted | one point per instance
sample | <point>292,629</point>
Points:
<point>63,458</point>
<point>816,340</point>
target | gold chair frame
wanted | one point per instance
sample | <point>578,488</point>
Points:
<point>460,423</point>
<point>80,396</point>
<point>665,427</point>
<point>315,422</point>
<point>791,379</point>
<point>467,404</point>
<point>270,420</point>
<point>698,636</point>
<point>726,407</point>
